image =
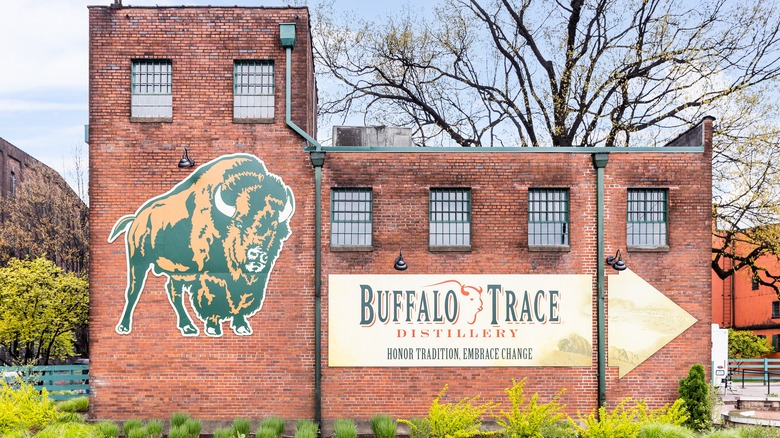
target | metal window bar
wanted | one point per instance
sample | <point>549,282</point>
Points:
<point>647,217</point>
<point>351,217</point>
<point>253,89</point>
<point>548,217</point>
<point>152,88</point>
<point>450,217</point>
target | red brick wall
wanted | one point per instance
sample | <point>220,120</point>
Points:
<point>154,371</point>
<point>751,309</point>
<point>499,183</point>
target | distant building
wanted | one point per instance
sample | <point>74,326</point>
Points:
<point>13,163</point>
<point>740,302</point>
<point>40,212</point>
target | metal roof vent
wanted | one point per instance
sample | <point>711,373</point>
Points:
<point>371,136</point>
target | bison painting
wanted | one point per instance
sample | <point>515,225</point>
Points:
<point>216,236</point>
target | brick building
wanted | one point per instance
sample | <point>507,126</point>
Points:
<point>278,286</point>
<point>41,214</point>
<point>13,163</point>
<point>742,303</point>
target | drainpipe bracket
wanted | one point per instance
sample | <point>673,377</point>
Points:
<point>600,160</point>
<point>317,158</point>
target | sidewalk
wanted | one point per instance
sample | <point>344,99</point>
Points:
<point>752,391</point>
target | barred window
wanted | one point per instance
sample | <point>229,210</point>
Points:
<point>647,217</point>
<point>151,86</point>
<point>253,89</point>
<point>776,309</point>
<point>450,217</point>
<point>351,221</point>
<point>548,217</point>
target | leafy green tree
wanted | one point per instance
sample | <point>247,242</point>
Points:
<point>40,307</point>
<point>744,344</point>
<point>695,392</point>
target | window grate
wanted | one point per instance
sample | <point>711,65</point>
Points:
<point>351,217</point>
<point>152,88</point>
<point>548,217</point>
<point>253,89</point>
<point>450,217</point>
<point>647,217</point>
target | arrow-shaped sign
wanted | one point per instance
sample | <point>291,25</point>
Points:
<point>642,320</point>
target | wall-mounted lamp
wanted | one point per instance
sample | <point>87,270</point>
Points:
<point>400,264</point>
<point>186,161</point>
<point>617,262</point>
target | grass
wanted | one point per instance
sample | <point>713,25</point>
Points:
<point>344,428</point>
<point>242,426</point>
<point>80,404</point>
<point>274,424</point>
<point>383,426</point>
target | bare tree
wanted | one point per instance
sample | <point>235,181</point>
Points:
<point>536,73</point>
<point>577,72</point>
<point>45,218</point>
<point>746,188</point>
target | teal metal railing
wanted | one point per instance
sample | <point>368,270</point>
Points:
<point>62,382</point>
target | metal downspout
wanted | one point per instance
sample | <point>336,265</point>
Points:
<point>317,158</point>
<point>600,162</point>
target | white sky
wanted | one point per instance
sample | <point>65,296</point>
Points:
<point>44,69</point>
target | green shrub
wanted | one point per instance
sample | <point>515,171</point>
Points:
<point>107,429</point>
<point>383,426</point>
<point>757,432</point>
<point>242,426</point>
<point>179,431</point>
<point>266,432</point>
<point>178,419</point>
<point>80,404</point>
<point>69,430</point>
<point>70,417</point>
<point>418,427</point>
<point>193,427</point>
<point>461,420</point>
<point>344,428</point>
<point>22,407</point>
<point>130,425</point>
<point>664,430</point>
<point>561,429</point>
<point>154,428</point>
<point>19,433</point>
<point>695,391</point>
<point>138,432</point>
<point>627,418</point>
<point>722,433</point>
<point>224,432</point>
<point>306,429</point>
<point>528,417</point>
<point>275,424</point>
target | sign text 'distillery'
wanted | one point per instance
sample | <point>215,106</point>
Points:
<point>459,320</point>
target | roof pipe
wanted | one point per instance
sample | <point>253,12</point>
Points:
<point>317,157</point>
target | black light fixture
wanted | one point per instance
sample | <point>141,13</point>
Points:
<point>400,264</point>
<point>617,262</point>
<point>186,161</point>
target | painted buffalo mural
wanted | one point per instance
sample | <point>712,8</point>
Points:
<point>216,236</point>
